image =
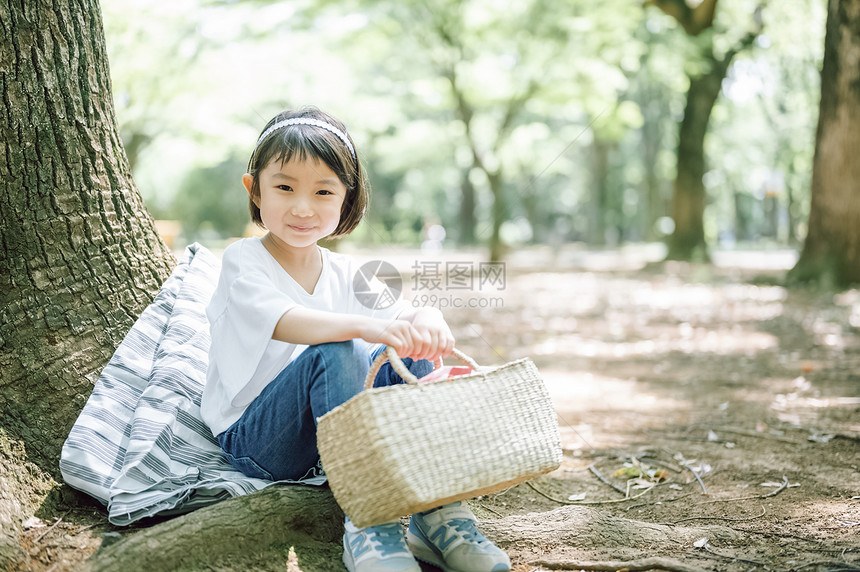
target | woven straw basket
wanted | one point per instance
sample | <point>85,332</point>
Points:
<point>393,451</point>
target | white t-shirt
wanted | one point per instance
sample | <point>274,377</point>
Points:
<point>253,292</point>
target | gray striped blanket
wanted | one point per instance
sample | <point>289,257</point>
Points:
<point>139,445</point>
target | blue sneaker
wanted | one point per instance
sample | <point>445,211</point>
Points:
<point>380,548</point>
<point>448,537</point>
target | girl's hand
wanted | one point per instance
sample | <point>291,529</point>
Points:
<point>438,341</point>
<point>398,334</point>
<point>419,334</point>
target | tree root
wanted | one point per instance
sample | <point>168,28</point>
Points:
<point>653,563</point>
<point>589,529</point>
<point>258,530</point>
<point>233,529</point>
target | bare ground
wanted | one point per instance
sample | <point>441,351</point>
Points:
<point>713,407</point>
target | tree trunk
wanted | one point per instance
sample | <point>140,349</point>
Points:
<point>599,192</point>
<point>791,206</point>
<point>80,255</point>
<point>466,235</point>
<point>687,242</point>
<point>831,253</point>
<point>743,217</point>
<point>500,211</point>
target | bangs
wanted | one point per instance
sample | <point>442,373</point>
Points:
<point>301,144</point>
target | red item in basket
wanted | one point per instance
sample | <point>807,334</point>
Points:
<point>446,372</point>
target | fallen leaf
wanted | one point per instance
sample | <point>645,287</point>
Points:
<point>628,472</point>
<point>821,438</point>
<point>33,522</point>
<point>702,468</point>
<point>580,496</point>
<point>641,484</point>
<point>701,543</point>
<point>712,436</point>
<point>675,487</point>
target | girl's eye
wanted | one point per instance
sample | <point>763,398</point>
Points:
<point>325,192</point>
<point>285,187</point>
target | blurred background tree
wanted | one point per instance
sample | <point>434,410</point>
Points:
<point>510,124</point>
<point>710,52</point>
<point>209,202</point>
<point>831,253</point>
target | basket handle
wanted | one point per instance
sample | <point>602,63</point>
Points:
<point>390,355</point>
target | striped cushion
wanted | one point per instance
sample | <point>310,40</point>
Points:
<point>139,445</point>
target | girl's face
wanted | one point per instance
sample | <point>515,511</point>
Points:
<point>300,201</point>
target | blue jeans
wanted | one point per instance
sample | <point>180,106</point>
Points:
<point>275,439</point>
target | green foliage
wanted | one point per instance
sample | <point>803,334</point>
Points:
<point>212,200</point>
<point>763,131</point>
<point>440,93</point>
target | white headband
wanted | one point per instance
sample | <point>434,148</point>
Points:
<point>308,121</point>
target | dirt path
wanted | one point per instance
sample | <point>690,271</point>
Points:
<point>659,374</point>
<point>671,381</point>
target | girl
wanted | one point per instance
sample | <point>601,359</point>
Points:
<point>291,341</point>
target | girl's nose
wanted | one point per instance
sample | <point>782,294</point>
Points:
<point>301,208</point>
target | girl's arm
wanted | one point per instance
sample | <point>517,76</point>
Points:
<point>419,333</point>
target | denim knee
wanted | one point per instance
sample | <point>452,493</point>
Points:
<point>346,363</point>
<point>351,354</point>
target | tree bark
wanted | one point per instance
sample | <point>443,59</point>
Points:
<point>80,255</point>
<point>831,252</point>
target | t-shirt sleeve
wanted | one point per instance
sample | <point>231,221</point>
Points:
<point>242,329</point>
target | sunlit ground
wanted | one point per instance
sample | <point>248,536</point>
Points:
<point>720,365</point>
